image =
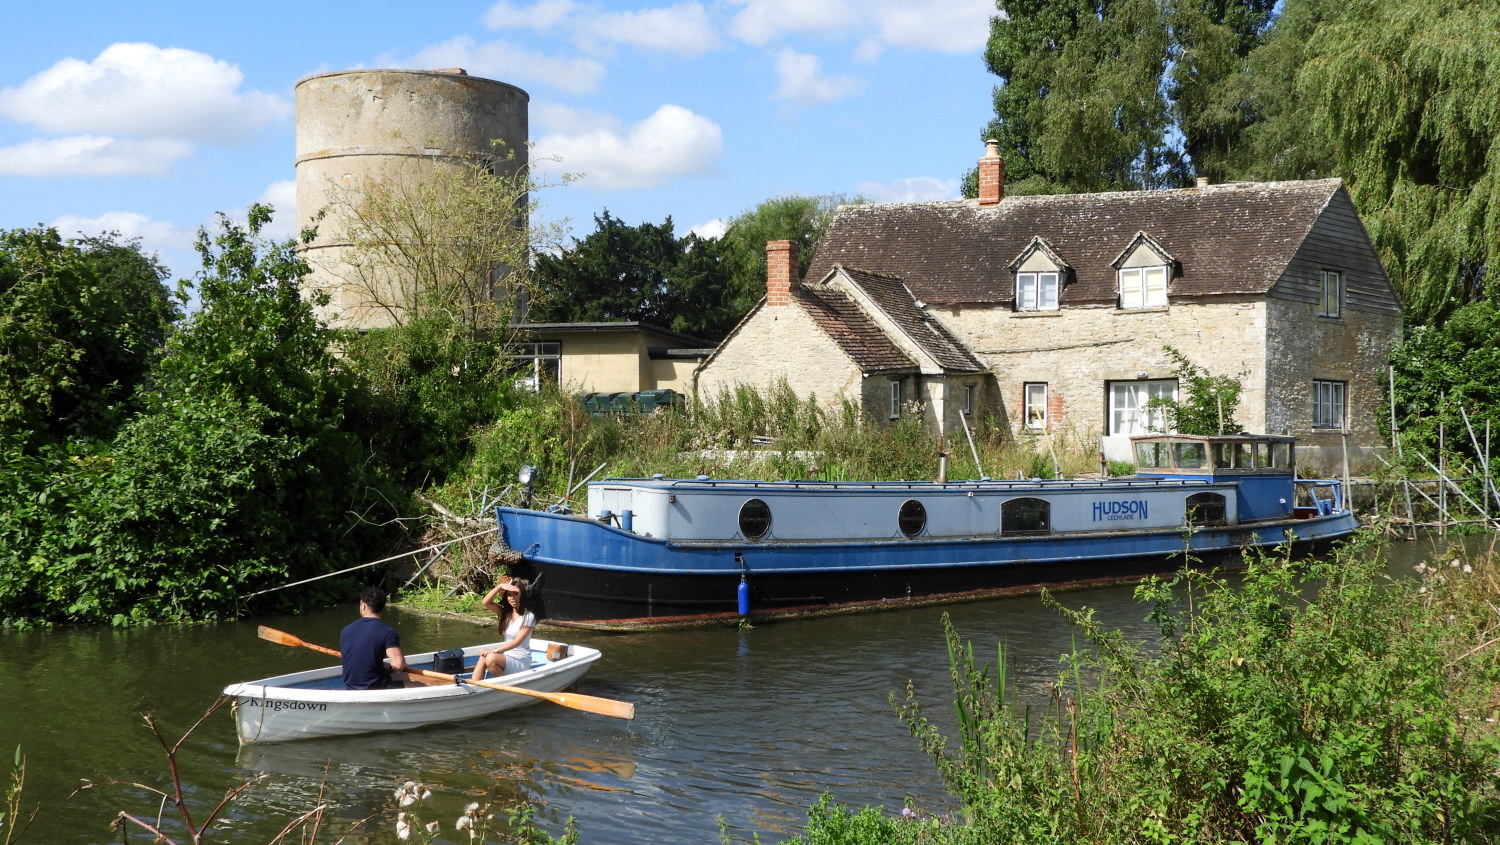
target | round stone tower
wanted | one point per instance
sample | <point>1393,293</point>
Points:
<point>359,129</point>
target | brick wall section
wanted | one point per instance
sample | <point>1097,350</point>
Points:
<point>782,276</point>
<point>991,175</point>
<point>1055,406</point>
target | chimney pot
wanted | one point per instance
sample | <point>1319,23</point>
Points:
<point>1202,182</point>
<point>991,174</point>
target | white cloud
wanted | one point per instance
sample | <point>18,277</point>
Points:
<point>154,234</point>
<point>557,118</point>
<point>503,60</point>
<point>92,155</point>
<point>762,21</point>
<point>714,228</point>
<point>803,80</point>
<point>147,91</point>
<point>671,143</point>
<point>282,196</point>
<point>544,14</point>
<point>913,189</point>
<point>952,26</point>
<point>683,29</point>
<point>949,26</point>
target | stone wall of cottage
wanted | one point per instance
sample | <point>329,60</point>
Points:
<point>1077,351</point>
<point>782,342</point>
<point>1277,348</point>
<point>1353,349</point>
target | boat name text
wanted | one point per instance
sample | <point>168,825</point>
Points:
<point>1120,509</point>
<point>271,704</point>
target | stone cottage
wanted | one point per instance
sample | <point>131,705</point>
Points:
<point>1049,314</point>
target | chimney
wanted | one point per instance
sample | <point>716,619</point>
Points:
<point>1202,182</point>
<point>991,174</point>
<point>781,272</point>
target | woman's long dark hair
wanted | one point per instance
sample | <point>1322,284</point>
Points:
<point>523,606</point>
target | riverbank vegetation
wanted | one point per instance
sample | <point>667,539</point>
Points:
<point>1304,702</point>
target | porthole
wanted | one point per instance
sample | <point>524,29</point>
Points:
<point>755,519</point>
<point>912,519</point>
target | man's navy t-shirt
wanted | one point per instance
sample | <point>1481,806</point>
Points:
<point>363,643</point>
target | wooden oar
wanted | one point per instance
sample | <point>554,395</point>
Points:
<point>587,703</point>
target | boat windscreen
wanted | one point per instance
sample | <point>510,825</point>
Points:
<point>1190,455</point>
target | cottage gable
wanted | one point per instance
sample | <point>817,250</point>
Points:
<point>841,318</point>
<point>891,308</point>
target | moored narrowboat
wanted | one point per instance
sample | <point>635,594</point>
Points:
<point>669,552</point>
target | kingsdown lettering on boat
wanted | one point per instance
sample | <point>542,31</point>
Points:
<point>1120,509</point>
<point>275,704</point>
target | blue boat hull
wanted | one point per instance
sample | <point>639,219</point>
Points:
<point>599,576</point>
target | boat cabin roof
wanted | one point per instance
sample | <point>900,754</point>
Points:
<point>1227,454</point>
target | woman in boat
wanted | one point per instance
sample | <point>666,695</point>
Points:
<point>515,623</point>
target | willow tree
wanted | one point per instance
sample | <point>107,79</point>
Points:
<point>1407,92</point>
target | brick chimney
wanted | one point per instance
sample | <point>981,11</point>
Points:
<point>782,272</point>
<point>991,174</point>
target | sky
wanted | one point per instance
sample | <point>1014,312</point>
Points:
<point>150,118</point>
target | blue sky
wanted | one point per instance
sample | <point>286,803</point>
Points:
<point>149,117</point>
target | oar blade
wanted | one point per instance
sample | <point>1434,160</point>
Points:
<point>586,703</point>
<point>276,636</point>
<point>602,706</point>
<point>283,638</point>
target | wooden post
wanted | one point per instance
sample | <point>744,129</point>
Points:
<point>1395,441</point>
<point>1344,445</point>
<point>1442,471</point>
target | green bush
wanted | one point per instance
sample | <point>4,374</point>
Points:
<point>1325,704</point>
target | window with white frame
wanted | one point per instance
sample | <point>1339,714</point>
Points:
<point>538,363</point>
<point>1036,291</point>
<point>1143,287</point>
<point>1034,401</point>
<point>1330,293</point>
<point>1130,410</point>
<point>969,391</point>
<point>1328,404</point>
<point>895,398</point>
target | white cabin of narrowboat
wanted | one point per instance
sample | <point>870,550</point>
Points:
<point>1183,480</point>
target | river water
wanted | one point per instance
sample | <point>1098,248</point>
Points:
<point>744,728</point>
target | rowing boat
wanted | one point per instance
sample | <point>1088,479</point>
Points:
<point>314,703</point>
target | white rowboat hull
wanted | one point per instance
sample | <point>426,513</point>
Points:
<point>306,705</point>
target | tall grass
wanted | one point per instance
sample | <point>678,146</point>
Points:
<point>741,432</point>
<point>1320,702</point>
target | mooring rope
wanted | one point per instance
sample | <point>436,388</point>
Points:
<point>374,562</point>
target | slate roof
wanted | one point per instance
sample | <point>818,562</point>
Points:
<point>842,320</point>
<point>1228,239</point>
<point>893,297</point>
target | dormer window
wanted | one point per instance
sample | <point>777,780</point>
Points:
<point>1036,291</point>
<point>1039,275</point>
<point>1143,287</point>
<point>1144,270</point>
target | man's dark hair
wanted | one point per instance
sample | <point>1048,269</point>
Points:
<point>374,597</point>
